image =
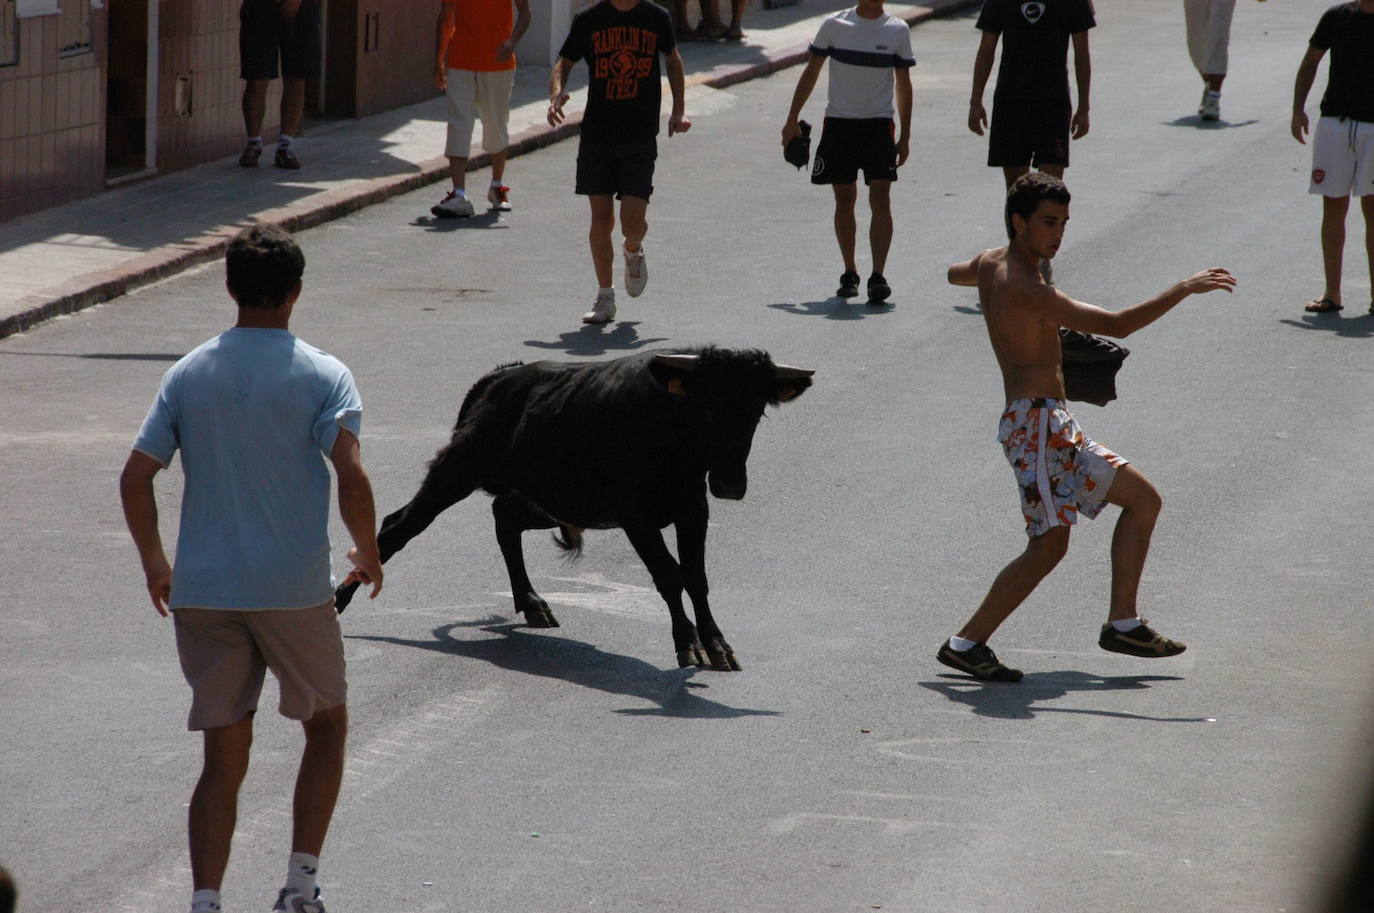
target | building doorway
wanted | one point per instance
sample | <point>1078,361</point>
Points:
<point>131,91</point>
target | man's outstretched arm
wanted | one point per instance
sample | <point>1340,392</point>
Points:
<point>1055,306</point>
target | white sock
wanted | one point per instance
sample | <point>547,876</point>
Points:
<point>205,901</point>
<point>1126,624</point>
<point>496,183</point>
<point>960,644</point>
<point>1214,93</point>
<point>284,140</point>
<point>255,140</point>
<point>460,193</point>
<point>301,870</point>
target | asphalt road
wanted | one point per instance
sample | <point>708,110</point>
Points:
<point>495,768</point>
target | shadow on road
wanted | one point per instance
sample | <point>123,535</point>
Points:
<point>595,340</point>
<point>490,219</point>
<point>1358,327</point>
<point>836,308</point>
<point>1023,701</point>
<point>579,663</point>
<point>101,356</point>
<point>1194,120</point>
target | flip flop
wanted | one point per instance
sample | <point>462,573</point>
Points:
<point>1322,306</point>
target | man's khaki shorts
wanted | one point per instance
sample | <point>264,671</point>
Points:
<point>474,96</point>
<point>225,655</point>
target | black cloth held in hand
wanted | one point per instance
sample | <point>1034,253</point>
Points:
<point>798,149</point>
<point>1090,366</point>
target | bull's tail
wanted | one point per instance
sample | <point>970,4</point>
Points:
<point>450,479</point>
<point>569,539</point>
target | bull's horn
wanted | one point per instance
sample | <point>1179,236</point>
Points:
<point>682,362</point>
<point>787,372</point>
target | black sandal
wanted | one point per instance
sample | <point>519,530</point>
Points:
<point>1323,306</point>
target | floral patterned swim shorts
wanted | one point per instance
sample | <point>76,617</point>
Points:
<point>1061,473</point>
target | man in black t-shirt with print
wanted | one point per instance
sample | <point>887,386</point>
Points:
<point>1032,113</point>
<point>1343,146</point>
<point>621,41</point>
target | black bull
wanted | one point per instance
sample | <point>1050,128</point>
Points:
<point>628,443</point>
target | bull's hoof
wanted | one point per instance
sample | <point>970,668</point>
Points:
<point>537,614</point>
<point>694,655</point>
<point>724,661</point>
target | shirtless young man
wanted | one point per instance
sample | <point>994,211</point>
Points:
<point>1060,472</point>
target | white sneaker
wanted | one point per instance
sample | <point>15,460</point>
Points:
<point>289,901</point>
<point>636,272</point>
<point>603,308</point>
<point>496,196</point>
<point>453,207</point>
<point>1210,108</point>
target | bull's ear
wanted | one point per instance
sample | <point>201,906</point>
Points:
<point>672,371</point>
<point>790,383</point>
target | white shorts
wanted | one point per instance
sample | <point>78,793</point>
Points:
<point>1209,33</point>
<point>1342,158</point>
<point>473,96</point>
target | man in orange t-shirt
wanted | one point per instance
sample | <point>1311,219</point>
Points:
<point>474,66</point>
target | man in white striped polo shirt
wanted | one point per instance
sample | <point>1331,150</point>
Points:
<point>870,63</point>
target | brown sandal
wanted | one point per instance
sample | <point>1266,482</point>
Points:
<point>1322,306</point>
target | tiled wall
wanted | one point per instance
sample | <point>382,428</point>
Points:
<point>53,112</point>
<point>201,38</point>
<point>51,121</point>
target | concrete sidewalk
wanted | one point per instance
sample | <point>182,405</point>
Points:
<point>73,256</point>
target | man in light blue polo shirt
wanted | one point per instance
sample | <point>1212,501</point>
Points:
<point>254,412</point>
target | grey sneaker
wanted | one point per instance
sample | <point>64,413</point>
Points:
<point>1141,641</point>
<point>289,901</point>
<point>978,661</point>
<point>603,308</point>
<point>1210,108</point>
<point>636,272</point>
<point>453,207</point>
<point>498,195</point>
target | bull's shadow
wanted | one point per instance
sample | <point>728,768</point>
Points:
<point>1023,700</point>
<point>519,650</point>
<point>597,340</point>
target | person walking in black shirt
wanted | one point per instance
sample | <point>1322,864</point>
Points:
<point>1032,113</point>
<point>1343,146</point>
<point>621,41</point>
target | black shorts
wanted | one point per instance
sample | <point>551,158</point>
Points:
<point>849,144</point>
<point>264,36</point>
<point>619,169</point>
<point>1029,133</point>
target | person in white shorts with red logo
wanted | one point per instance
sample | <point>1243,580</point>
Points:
<point>474,67</point>
<point>1343,150</point>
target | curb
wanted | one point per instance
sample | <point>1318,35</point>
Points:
<point>94,288</point>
